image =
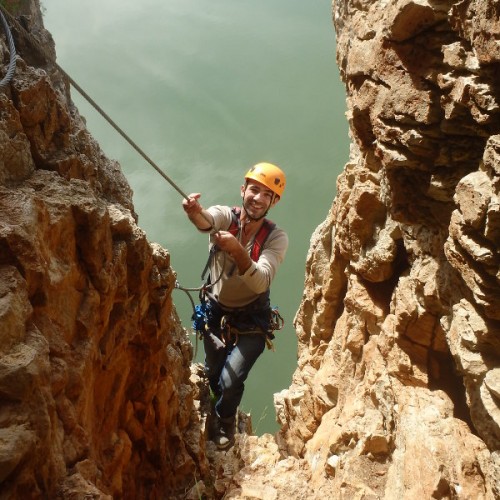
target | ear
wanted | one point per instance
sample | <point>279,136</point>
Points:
<point>242,190</point>
<point>275,200</point>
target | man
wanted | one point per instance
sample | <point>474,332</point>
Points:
<point>245,255</point>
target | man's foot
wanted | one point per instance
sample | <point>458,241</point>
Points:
<point>224,434</point>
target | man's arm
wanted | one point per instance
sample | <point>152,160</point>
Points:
<point>259,275</point>
<point>229,244</point>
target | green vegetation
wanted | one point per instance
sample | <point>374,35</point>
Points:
<point>12,6</point>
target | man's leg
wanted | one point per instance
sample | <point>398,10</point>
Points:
<point>236,369</point>
<point>215,358</point>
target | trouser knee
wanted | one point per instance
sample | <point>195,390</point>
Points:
<point>230,385</point>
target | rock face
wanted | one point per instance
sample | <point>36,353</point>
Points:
<point>95,390</point>
<point>397,390</point>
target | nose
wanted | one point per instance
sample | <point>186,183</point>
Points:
<point>259,196</point>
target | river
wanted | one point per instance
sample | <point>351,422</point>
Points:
<point>207,89</point>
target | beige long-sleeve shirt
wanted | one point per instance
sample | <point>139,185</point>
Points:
<point>233,289</point>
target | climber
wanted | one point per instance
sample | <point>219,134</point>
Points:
<point>246,250</point>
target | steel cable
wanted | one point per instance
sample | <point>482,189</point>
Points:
<point>12,48</point>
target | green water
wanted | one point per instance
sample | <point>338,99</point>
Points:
<point>207,88</point>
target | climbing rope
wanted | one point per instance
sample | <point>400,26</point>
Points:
<point>122,133</point>
<point>12,48</point>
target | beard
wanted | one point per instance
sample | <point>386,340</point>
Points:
<point>254,213</point>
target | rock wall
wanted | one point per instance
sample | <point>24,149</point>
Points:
<point>396,394</point>
<point>95,391</point>
<point>397,390</point>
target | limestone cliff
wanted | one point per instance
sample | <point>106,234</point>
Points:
<point>397,390</point>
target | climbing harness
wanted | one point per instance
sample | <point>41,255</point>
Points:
<point>12,48</point>
<point>225,325</point>
<point>231,333</point>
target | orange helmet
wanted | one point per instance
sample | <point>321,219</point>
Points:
<point>268,174</point>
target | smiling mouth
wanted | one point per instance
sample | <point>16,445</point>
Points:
<point>256,208</point>
<point>255,211</point>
